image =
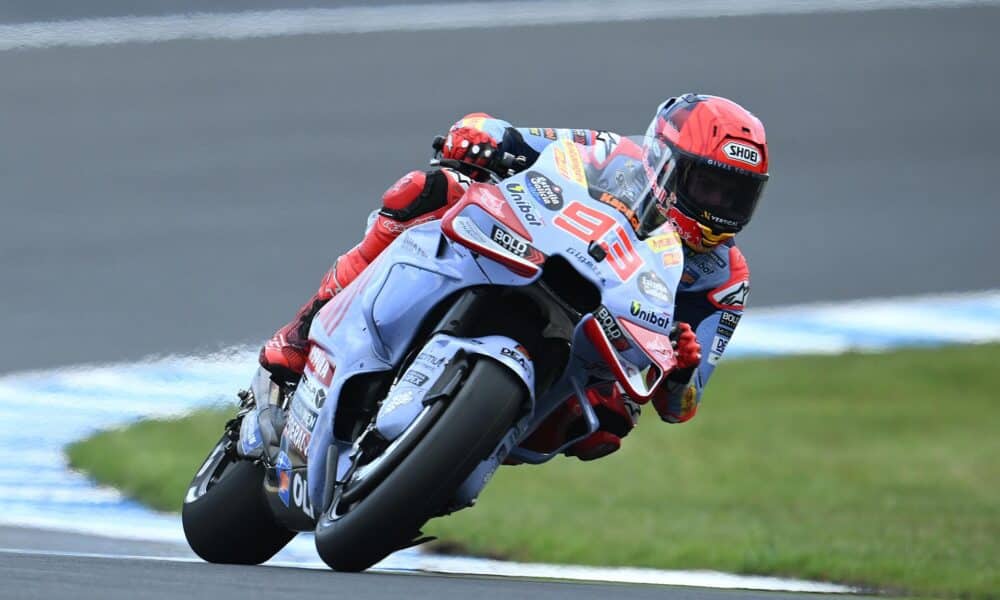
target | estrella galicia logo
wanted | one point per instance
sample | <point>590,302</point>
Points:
<point>544,190</point>
<point>655,289</point>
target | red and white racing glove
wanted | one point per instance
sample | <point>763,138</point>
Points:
<point>470,145</point>
<point>687,349</point>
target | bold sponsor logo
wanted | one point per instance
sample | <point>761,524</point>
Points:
<point>730,319</point>
<point>300,495</point>
<point>544,190</point>
<point>655,289</point>
<point>509,242</point>
<point>515,355</point>
<point>527,209</point>
<point>611,328</point>
<point>535,131</point>
<point>733,296</point>
<point>721,330</point>
<point>517,246</point>
<point>415,378</point>
<point>617,204</point>
<point>741,153</point>
<point>658,319</point>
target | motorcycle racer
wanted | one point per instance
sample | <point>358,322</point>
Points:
<point>706,160</point>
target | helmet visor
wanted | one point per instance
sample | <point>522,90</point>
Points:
<point>718,195</point>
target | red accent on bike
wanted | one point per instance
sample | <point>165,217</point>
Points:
<point>319,365</point>
<point>583,222</point>
<point>488,198</point>
<point>656,345</point>
<point>592,329</point>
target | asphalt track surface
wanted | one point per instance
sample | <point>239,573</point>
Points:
<point>183,196</point>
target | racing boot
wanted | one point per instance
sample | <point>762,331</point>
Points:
<point>284,355</point>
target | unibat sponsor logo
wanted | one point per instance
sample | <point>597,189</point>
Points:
<point>517,192</point>
<point>658,319</point>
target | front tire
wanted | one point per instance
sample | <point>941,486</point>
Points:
<point>391,515</point>
<point>226,518</point>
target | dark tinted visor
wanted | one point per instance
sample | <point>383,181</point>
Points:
<point>725,196</point>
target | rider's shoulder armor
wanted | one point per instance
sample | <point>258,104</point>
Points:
<point>722,274</point>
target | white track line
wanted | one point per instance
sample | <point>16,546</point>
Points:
<point>493,568</point>
<point>416,17</point>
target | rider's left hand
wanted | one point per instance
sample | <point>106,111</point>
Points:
<point>471,145</point>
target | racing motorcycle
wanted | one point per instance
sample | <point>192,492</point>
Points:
<point>450,355</point>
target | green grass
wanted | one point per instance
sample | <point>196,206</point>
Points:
<point>879,470</point>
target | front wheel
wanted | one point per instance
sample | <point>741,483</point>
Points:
<point>356,537</point>
<point>225,516</point>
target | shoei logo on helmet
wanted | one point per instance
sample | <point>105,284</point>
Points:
<point>742,153</point>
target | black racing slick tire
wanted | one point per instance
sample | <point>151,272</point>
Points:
<point>226,517</point>
<point>390,516</point>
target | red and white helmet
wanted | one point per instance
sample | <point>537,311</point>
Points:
<point>707,160</point>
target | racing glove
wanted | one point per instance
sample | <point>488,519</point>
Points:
<point>686,346</point>
<point>472,146</point>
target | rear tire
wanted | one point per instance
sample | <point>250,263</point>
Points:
<point>226,517</point>
<point>391,515</point>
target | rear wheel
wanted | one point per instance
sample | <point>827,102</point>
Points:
<point>226,518</point>
<point>389,516</point>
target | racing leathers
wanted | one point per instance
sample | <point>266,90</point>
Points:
<point>710,296</point>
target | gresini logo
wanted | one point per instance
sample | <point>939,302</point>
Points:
<point>742,153</point>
